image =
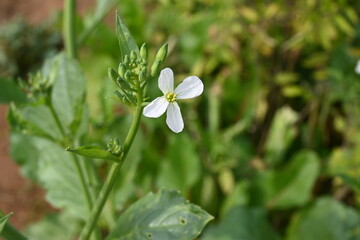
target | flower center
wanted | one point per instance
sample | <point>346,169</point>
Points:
<point>170,97</point>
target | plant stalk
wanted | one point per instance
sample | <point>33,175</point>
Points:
<point>112,176</point>
<point>69,27</point>
<point>80,172</point>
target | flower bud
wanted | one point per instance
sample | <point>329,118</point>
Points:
<point>133,56</point>
<point>155,68</point>
<point>127,75</point>
<point>162,53</point>
<point>126,60</point>
<point>142,75</point>
<point>121,97</point>
<point>113,75</point>
<point>143,51</point>
<point>114,146</point>
<point>123,84</point>
<point>121,70</point>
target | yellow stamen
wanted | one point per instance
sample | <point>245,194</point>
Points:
<point>170,97</point>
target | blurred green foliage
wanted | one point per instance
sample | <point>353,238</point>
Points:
<point>23,47</point>
<point>272,149</point>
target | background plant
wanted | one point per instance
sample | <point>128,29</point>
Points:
<point>271,151</point>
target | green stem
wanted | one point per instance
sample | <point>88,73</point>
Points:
<point>97,18</point>
<point>83,181</point>
<point>69,27</point>
<point>214,109</point>
<point>112,176</point>
<point>76,161</point>
<point>74,157</point>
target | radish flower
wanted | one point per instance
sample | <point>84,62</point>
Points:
<point>357,68</point>
<point>191,87</point>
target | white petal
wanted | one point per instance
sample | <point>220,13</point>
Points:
<point>191,87</point>
<point>156,108</point>
<point>174,119</point>
<point>166,80</point>
<point>357,68</point>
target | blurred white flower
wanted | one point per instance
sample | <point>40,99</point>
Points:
<point>357,68</point>
<point>191,87</point>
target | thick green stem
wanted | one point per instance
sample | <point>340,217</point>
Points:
<point>112,176</point>
<point>69,27</point>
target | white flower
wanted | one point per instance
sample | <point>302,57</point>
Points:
<point>191,87</point>
<point>357,68</point>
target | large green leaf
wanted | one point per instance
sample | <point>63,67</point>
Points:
<point>40,121</point>
<point>54,168</point>
<point>126,41</point>
<point>57,173</point>
<point>164,215</point>
<point>242,223</point>
<point>181,168</point>
<point>327,219</point>
<point>288,187</point>
<point>55,227</point>
<point>66,113</point>
<point>24,151</point>
<point>68,93</point>
<point>10,92</point>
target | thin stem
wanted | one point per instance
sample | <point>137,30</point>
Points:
<point>69,27</point>
<point>214,108</point>
<point>112,176</point>
<point>76,161</point>
<point>83,181</point>
<point>97,18</point>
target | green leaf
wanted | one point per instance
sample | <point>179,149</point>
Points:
<point>164,215</point>
<point>10,92</point>
<point>326,219</point>
<point>291,186</point>
<point>54,169</point>
<point>92,151</point>
<point>68,94</point>
<point>181,169</point>
<point>23,150</point>
<point>39,121</point>
<point>353,182</point>
<point>3,221</point>
<point>282,133</point>
<point>242,223</point>
<point>59,226</point>
<point>126,41</point>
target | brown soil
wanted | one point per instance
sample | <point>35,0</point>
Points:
<point>36,11</point>
<point>18,194</point>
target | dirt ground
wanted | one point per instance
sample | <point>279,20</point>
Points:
<point>18,194</point>
<point>37,10</point>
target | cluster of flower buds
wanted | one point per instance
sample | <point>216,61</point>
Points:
<point>131,76</point>
<point>37,86</point>
<point>114,147</point>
